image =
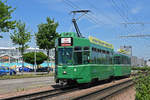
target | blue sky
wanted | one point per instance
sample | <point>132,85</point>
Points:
<point>104,21</point>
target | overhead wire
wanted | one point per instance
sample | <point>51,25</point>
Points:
<point>126,9</point>
<point>125,18</point>
<point>121,13</point>
<point>135,18</point>
<point>89,16</point>
<point>104,15</point>
<point>72,5</point>
<point>101,13</point>
<point>124,14</point>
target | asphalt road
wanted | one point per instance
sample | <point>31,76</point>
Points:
<point>14,85</point>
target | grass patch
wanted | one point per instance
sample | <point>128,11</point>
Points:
<point>25,76</point>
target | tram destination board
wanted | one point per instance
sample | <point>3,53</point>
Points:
<point>65,41</point>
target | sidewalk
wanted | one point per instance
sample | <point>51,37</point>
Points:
<point>15,85</point>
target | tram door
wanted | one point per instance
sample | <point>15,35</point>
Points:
<point>77,55</point>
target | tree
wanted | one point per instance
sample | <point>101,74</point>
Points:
<point>5,16</point>
<point>21,37</point>
<point>29,57</point>
<point>46,35</point>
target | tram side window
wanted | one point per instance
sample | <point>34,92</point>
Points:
<point>56,56</point>
<point>124,60</point>
<point>103,57</point>
<point>86,55</point>
<point>94,56</point>
<point>99,59</point>
<point>77,55</point>
<point>128,60</point>
<point>117,60</point>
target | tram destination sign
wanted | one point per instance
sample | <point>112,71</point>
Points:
<point>66,41</point>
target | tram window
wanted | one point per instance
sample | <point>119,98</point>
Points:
<point>86,48</point>
<point>100,50</point>
<point>77,55</point>
<point>65,56</point>
<point>56,56</point>
<point>103,51</point>
<point>77,48</point>
<point>123,60</point>
<point>110,60</point>
<point>97,50</point>
<point>107,59</point>
<point>92,49</point>
<point>107,52</point>
<point>117,60</point>
<point>86,57</point>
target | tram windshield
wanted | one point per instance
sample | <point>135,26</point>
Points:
<point>65,56</point>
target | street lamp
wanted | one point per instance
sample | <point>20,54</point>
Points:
<point>35,55</point>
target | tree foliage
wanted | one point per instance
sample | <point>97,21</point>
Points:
<point>30,57</point>
<point>21,36</point>
<point>5,16</point>
<point>47,34</point>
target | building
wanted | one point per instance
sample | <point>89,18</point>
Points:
<point>138,62</point>
<point>12,53</point>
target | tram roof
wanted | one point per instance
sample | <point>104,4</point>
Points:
<point>92,41</point>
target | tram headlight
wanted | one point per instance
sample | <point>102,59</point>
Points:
<point>64,72</point>
<point>75,69</point>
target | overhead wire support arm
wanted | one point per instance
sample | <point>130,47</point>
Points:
<point>76,27</point>
<point>74,20</point>
<point>135,23</point>
<point>141,35</point>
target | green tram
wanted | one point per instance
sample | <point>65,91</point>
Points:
<point>84,60</point>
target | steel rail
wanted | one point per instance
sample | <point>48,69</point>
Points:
<point>42,94</point>
<point>64,90</point>
<point>106,92</point>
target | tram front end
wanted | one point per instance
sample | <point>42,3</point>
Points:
<point>69,59</point>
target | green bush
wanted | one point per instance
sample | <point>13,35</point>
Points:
<point>143,87</point>
<point>141,68</point>
<point>30,57</point>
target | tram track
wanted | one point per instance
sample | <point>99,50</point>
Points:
<point>101,93</point>
<point>104,93</point>
<point>43,94</point>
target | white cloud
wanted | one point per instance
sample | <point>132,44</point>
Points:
<point>136,10</point>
